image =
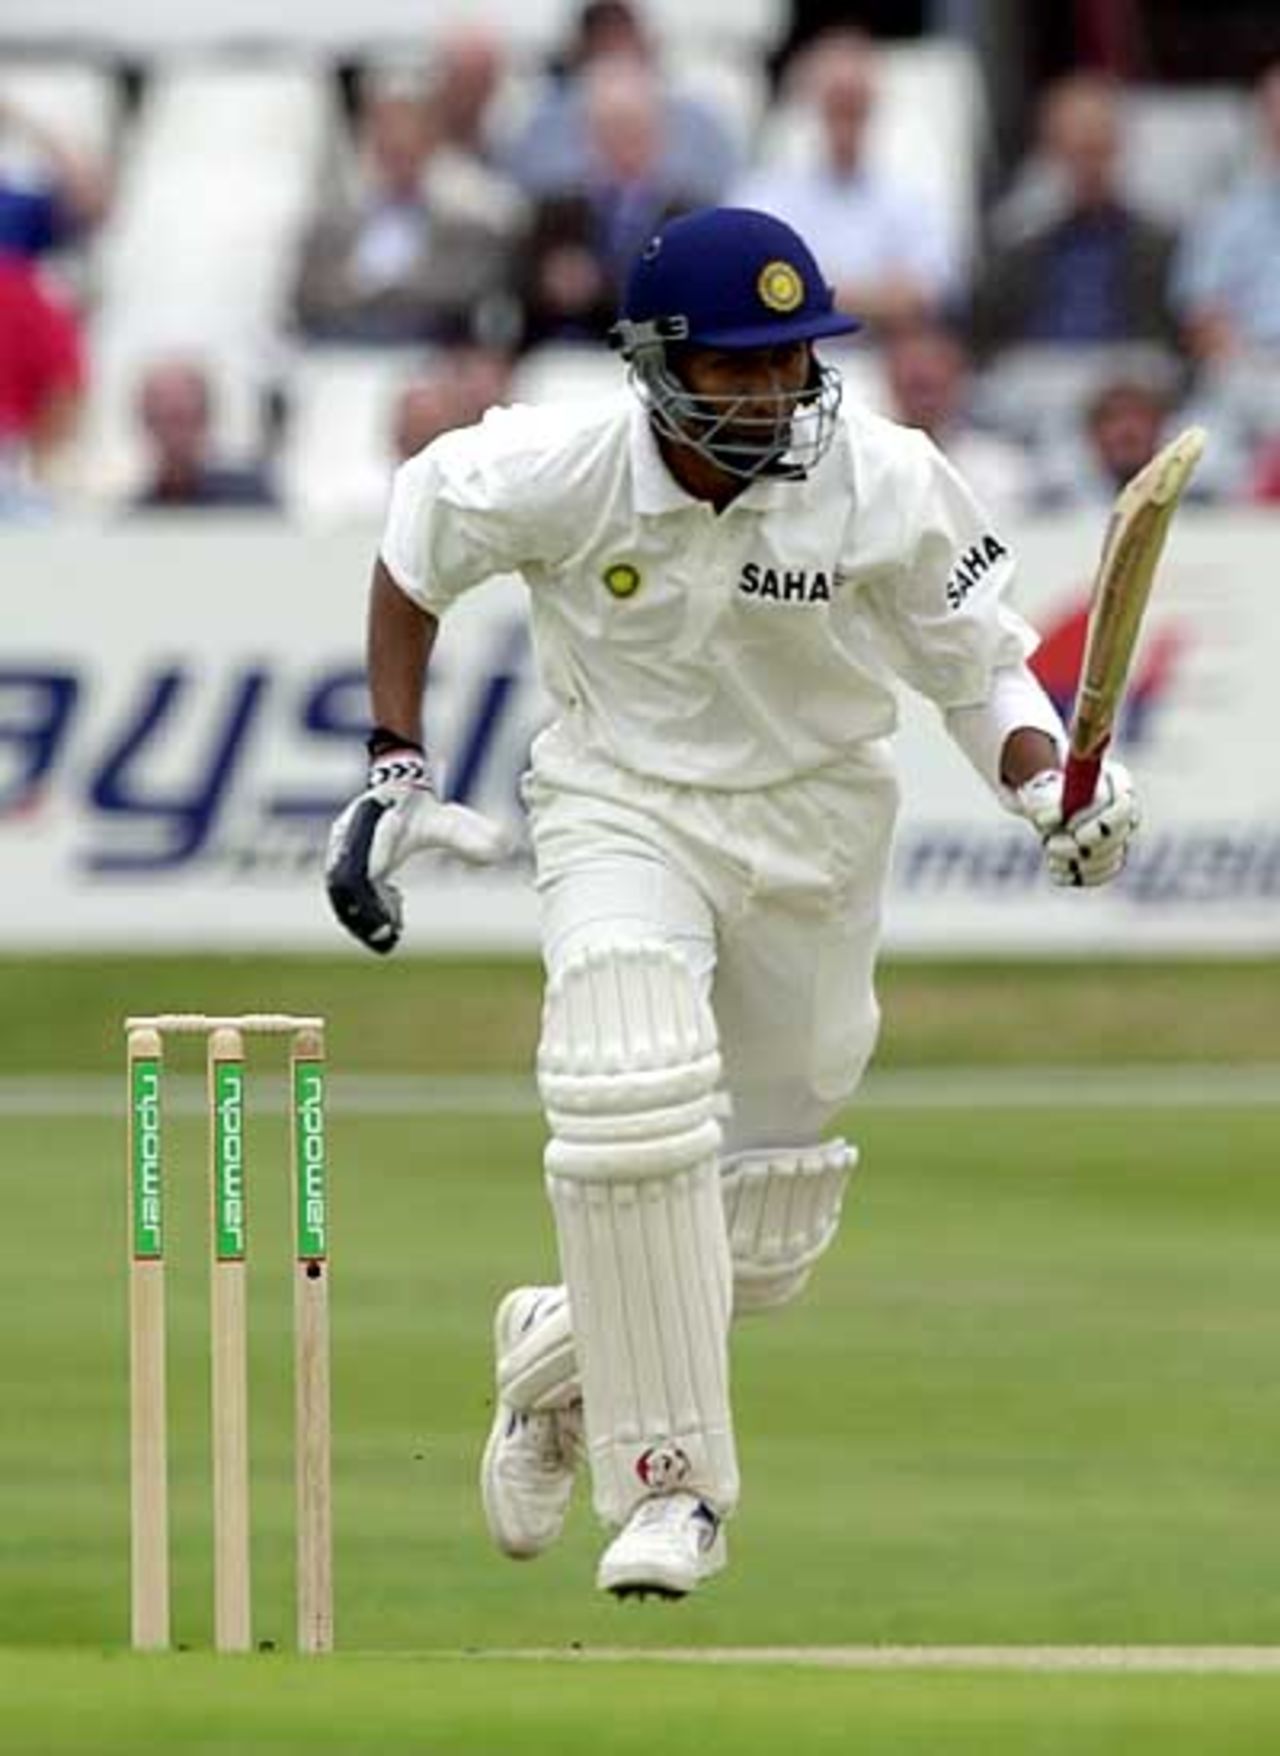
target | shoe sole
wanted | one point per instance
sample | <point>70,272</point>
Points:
<point>638,1593</point>
<point>667,1588</point>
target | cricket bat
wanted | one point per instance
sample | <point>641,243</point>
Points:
<point>1135,536</point>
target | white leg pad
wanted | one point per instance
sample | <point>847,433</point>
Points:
<point>539,1371</point>
<point>782,1209</point>
<point>629,1073</point>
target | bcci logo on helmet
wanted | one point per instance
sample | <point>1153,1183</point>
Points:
<point>780,287</point>
<point>663,1468</point>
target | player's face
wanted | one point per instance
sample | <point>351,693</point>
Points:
<point>748,373</point>
<point>740,412</point>
<point>752,394</point>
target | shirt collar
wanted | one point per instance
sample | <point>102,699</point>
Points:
<point>657,491</point>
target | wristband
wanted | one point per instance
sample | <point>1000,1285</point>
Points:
<point>382,738</point>
<point>403,768</point>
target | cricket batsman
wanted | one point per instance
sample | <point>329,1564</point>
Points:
<point>725,566</point>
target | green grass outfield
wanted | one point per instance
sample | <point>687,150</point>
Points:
<point>368,1706</point>
<point>467,1014</point>
<point>1031,1401</point>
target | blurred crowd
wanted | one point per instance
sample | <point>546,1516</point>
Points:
<point>1048,354</point>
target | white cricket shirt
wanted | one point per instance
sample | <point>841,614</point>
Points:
<point>733,649</point>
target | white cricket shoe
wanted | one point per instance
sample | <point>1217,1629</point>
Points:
<point>530,1458</point>
<point>669,1545</point>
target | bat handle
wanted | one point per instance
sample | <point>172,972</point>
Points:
<point>1080,783</point>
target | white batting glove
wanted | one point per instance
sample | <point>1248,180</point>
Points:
<point>397,815</point>
<point>1093,845</point>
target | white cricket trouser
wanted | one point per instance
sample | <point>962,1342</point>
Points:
<point>773,896</point>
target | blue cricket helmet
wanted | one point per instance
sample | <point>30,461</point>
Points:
<point>727,277</point>
<point>731,278</point>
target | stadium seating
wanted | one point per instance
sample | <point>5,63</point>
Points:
<point>215,184</point>
<point>216,173</point>
<point>75,98</point>
<point>1036,389</point>
<point>337,459</point>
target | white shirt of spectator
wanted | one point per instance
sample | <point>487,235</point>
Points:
<point>866,226</point>
<point>731,650</point>
<point>390,245</point>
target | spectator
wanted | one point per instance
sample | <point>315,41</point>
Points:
<point>50,195</point>
<point>466,71</point>
<point>420,247</point>
<point>584,238</point>
<point>697,155</point>
<point>1093,270</point>
<point>928,377</point>
<point>604,30</point>
<point>463,175</point>
<point>1227,276</point>
<point>1125,423</point>
<point>881,244</point>
<point>454,393</point>
<point>41,384</point>
<point>175,409</point>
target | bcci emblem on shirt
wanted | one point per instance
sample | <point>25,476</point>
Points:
<point>622,579</point>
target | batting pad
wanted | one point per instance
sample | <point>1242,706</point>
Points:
<point>782,1209</point>
<point>540,1370</point>
<point>629,1072</point>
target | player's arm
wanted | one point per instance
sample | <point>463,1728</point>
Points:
<point>1017,743</point>
<point>463,510</point>
<point>1016,740</point>
<point>399,813</point>
<point>1027,752</point>
<point>399,638</point>
<point>1086,821</point>
<point>1091,845</point>
<point>435,555</point>
<point>952,635</point>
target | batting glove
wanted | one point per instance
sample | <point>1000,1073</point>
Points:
<point>1092,846</point>
<point>398,815</point>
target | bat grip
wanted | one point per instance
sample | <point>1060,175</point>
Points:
<point>1080,783</point>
